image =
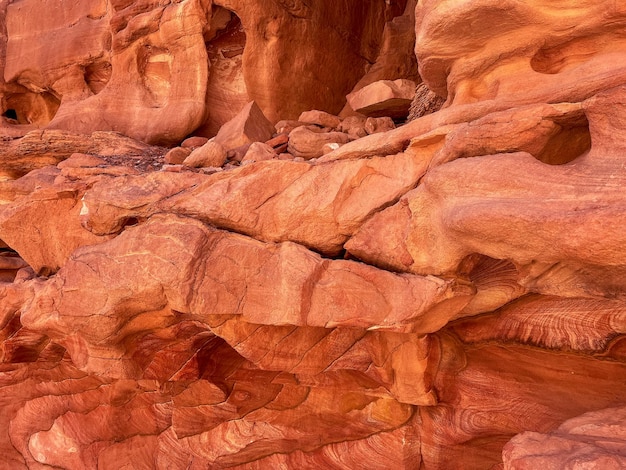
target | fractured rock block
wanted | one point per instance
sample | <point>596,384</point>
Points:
<point>384,98</point>
<point>250,125</point>
<point>320,118</point>
<point>319,206</point>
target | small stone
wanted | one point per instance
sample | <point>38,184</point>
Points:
<point>177,155</point>
<point>237,154</point>
<point>286,126</point>
<point>327,148</point>
<point>352,122</point>
<point>320,118</point>
<point>278,140</point>
<point>381,124</point>
<point>258,152</point>
<point>211,154</point>
<point>209,170</point>
<point>306,143</point>
<point>194,142</point>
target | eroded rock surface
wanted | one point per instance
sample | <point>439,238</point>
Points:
<point>334,292</point>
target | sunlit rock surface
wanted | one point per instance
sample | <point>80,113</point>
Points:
<point>327,290</point>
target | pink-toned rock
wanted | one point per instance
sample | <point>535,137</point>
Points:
<point>52,207</point>
<point>594,441</point>
<point>327,148</point>
<point>537,252</point>
<point>177,155</point>
<point>194,142</point>
<point>354,126</point>
<point>319,206</point>
<point>320,118</point>
<point>308,143</point>
<point>384,98</point>
<point>279,143</point>
<point>10,264</point>
<point>211,154</point>
<point>258,152</point>
<point>556,53</point>
<point>329,293</point>
<point>237,154</point>
<point>250,125</point>
<point>286,126</point>
<point>381,124</point>
<point>278,140</point>
<point>218,318</point>
<point>227,92</point>
<point>108,79</point>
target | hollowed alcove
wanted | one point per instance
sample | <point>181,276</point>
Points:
<point>26,107</point>
<point>226,90</point>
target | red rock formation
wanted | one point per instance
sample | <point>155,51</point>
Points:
<point>446,294</point>
<point>156,71</point>
<point>594,440</point>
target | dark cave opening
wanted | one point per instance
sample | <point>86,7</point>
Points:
<point>10,114</point>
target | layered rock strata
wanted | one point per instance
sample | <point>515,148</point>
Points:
<point>446,294</point>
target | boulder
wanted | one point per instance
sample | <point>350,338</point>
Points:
<point>258,152</point>
<point>250,125</point>
<point>307,143</point>
<point>211,154</point>
<point>194,142</point>
<point>376,125</point>
<point>384,98</point>
<point>286,126</point>
<point>320,118</point>
<point>279,142</point>
<point>177,155</point>
<point>354,126</point>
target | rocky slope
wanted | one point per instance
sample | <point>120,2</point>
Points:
<point>219,250</point>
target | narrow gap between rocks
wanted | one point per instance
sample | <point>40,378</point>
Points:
<point>11,263</point>
<point>226,93</point>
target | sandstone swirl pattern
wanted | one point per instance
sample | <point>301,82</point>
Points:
<point>448,294</point>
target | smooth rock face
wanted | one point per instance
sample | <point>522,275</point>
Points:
<point>210,154</point>
<point>334,292</point>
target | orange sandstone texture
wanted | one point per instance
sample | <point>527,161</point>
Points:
<point>339,291</point>
<point>157,71</point>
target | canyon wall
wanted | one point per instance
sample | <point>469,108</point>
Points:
<point>210,259</point>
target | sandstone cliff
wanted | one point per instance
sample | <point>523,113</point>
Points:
<point>222,245</point>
